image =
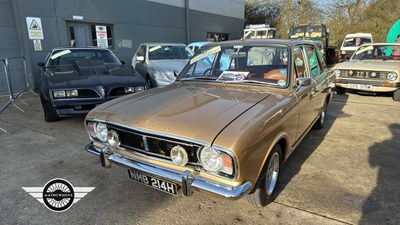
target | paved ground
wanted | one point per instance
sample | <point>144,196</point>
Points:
<point>347,173</point>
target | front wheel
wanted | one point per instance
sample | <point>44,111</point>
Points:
<point>340,90</point>
<point>148,81</point>
<point>396,95</point>
<point>265,192</point>
<point>50,114</point>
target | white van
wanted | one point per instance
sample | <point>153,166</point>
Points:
<point>350,44</point>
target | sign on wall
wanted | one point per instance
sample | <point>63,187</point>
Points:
<point>35,29</point>
<point>101,35</point>
<point>37,45</point>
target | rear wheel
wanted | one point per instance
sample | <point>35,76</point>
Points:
<point>50,114</point>
<point>396,95</point>
<point>340,90</point>
<point>319,124</point>
<point>265,192</point>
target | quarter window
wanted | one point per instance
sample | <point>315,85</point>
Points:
<point>313,61</point>
<point>299,62</point>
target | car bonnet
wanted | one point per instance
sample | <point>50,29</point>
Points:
<point>373,65</point>
<point>194,112</point>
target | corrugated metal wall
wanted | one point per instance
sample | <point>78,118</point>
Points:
<point>9,47</point>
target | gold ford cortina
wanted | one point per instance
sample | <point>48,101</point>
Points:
<point>224,127</point>
<point>372,68</point>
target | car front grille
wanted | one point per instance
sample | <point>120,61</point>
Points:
<point>87,93</point>
<point>363,74</point>
<point>154,146</point>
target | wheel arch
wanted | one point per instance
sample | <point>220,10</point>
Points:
<point>282,141</point>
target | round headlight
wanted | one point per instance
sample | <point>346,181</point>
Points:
<point>179,155</point>
<point>113,138</point>
<point>211,159</point>
<point>101,132</point>
<point>373,74</point>
<point>337,73</point>
<point>392,76</point>
<point>351,72</point>
<point>343,53</point>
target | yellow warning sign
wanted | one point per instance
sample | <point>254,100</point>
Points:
<point>34,25</point>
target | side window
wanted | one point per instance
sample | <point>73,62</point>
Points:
<point>313,61</point>
<point>299,62</point>
<point>140,51</point>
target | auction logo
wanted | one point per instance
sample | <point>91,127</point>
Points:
<point>58,194</point>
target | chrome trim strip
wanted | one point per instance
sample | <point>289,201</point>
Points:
<point>152,132</point>
<point>186,179</point>
<point>202,144</point>
<point>146,144</point>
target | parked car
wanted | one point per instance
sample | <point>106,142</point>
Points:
<point>222,133</point>
<point>350,44</point>
<point>160,63</point>
<point>75,80</point>
<point>372,68</point>
<point>194,46</point>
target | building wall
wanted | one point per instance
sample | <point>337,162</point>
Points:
<point>133,21</point>
<point>9,45</point>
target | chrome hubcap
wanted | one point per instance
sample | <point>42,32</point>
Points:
<point>322,117</point>
<point>272,174</point>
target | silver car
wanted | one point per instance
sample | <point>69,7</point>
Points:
<point>159,63</point>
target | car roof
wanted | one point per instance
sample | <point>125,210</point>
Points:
<point>199,43</point>
<point>261,41</point>
<point>358,35</point>
<point>163,43</point>
<point>383,43</point>
<point>79,48</point>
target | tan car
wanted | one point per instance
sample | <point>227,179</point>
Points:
<point>220,132</point>
<point>372,68</point>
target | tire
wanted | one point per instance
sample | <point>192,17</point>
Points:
<point>50,114</point>
<point>266,192</point>
<point>396,95</point>
<point>148,82</point>
<point>319,124</point>
<point>340,90</point>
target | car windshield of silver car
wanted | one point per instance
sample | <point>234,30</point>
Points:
<point>159,52</point>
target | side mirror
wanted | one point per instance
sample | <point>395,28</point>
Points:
<point>40,64</point>
<point>139,58</point>
<point>122,62</point>
<point>303,81</point>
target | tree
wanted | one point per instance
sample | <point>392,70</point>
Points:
<point>258,11</point>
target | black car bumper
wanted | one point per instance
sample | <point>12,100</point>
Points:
<point>71,107</point>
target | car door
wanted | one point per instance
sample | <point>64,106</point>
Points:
<point>304,94</point>
<point>138,65</point>
<point>318,74</point>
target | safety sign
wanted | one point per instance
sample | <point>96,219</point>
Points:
<point>35,29</point>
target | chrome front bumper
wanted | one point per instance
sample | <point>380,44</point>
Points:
<point>187,180</point>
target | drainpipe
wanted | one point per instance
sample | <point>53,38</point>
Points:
<point>187,21</point>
